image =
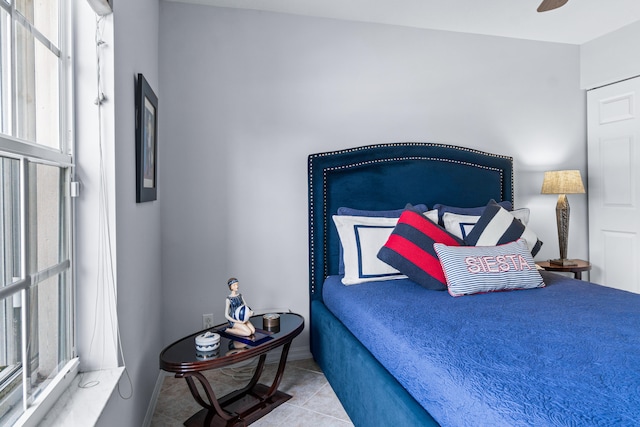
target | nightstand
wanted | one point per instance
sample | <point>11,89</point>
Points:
<point>581,265</point>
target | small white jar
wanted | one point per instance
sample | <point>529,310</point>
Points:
<point>207,342</point>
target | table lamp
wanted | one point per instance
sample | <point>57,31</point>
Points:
<point>562,183</point>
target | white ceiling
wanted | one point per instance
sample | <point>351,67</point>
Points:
<point>577,22</point>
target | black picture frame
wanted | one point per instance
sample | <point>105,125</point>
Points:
<point>146,142</point>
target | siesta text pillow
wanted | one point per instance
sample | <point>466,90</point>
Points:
<point>479,269</point>
<point>461,225</point>
<point>361,239</point>
<point>393,213</point>
<point>497,226</point>
<point>409,249</point>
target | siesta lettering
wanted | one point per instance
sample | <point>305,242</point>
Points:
<point>496,264</point>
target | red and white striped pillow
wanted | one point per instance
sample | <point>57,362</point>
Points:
<point>410,249</point>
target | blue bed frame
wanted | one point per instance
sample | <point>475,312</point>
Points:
<point>383,177</point>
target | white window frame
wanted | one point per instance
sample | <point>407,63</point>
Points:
<point>35,408</point>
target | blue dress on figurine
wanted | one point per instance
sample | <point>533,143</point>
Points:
<point>237,326</point>
<point>235,301</point>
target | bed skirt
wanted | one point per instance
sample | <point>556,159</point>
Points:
<point>368,392</point>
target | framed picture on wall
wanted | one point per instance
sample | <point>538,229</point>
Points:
<point>146,142</point>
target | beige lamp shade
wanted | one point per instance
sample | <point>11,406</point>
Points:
<point>562,182</point>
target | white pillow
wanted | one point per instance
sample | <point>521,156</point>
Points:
<point>461,225</point>
<point>432,215</point>
<point>361,238</point>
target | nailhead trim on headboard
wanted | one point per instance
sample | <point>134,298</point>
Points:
<point>312,208</point>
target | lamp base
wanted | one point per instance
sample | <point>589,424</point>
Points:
<point>563,262</point>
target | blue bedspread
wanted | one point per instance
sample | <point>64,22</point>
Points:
<point>567,354</point>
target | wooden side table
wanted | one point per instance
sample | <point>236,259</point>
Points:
<point>244,406</point>
<point>581,265</point>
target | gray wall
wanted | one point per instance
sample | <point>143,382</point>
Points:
<point>247,95</point>
<point>610,58</point>
<point>138,227</point>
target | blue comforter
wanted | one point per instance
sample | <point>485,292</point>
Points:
<point>567,354</point>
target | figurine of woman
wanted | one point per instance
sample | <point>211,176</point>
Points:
<point>237,326</point>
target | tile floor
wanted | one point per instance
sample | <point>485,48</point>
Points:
<point>313,402</point>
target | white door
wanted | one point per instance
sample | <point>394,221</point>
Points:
<point>613,184</point>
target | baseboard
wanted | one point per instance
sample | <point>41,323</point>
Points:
<point>295,353</point>
<point>299,353</point>
<point>154,398</point>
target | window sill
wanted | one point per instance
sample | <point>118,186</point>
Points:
<point>80,407</point>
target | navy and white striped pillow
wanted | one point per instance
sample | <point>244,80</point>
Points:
<point>480,269</point>
<point>497,226</point>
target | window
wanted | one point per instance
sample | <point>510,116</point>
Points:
<point>36,166</point>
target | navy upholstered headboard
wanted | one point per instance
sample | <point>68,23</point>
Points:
<point>388,176</point>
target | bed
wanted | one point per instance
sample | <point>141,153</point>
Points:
<point>567,353</point>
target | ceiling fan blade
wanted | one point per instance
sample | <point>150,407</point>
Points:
<point>547,5</point>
